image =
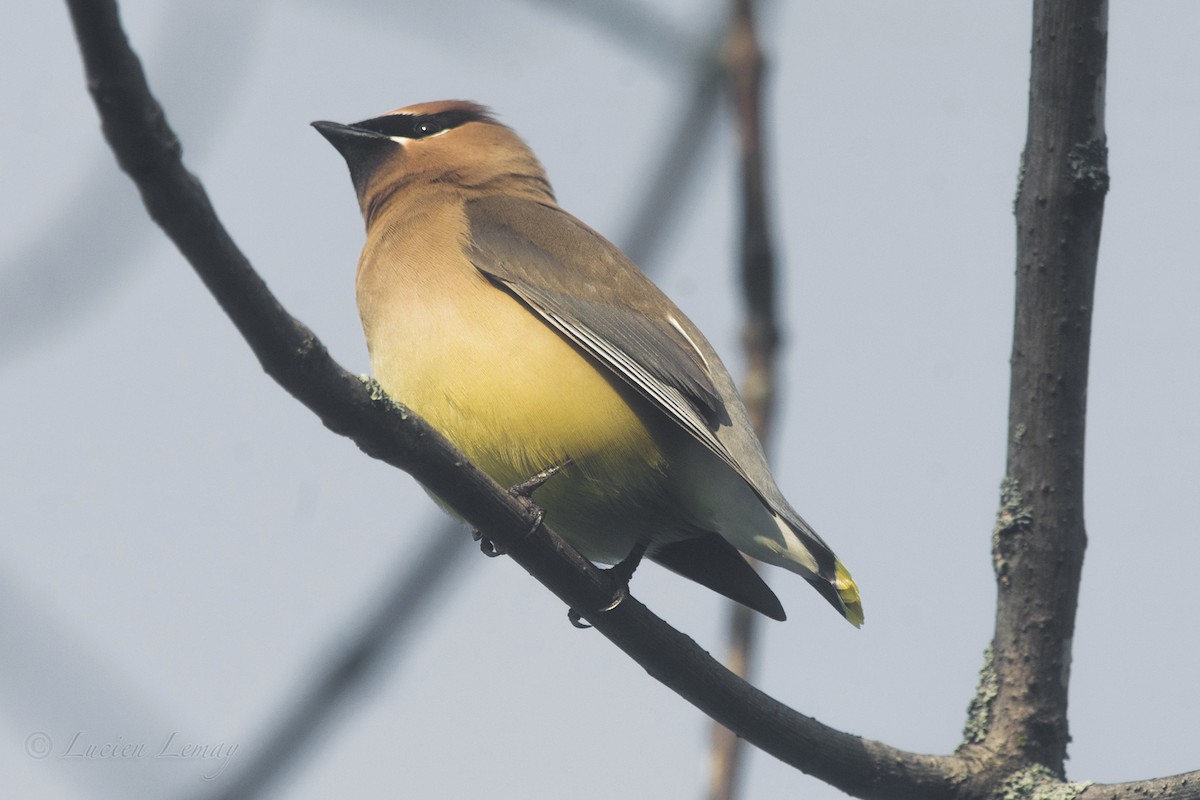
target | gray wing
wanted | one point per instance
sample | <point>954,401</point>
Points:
<point>567,273</point>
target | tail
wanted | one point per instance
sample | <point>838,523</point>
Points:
<point>802,551</point>
<point>842,593</point>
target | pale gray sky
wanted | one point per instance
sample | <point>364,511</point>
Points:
<point>179,539</point>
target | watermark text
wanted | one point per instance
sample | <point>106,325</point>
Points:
<point>79,746</point>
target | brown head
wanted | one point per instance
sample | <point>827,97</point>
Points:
<point>450,143</point>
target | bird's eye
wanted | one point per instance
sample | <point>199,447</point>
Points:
<point>427,128</point>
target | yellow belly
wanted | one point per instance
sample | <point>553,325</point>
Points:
<point>517,398</point>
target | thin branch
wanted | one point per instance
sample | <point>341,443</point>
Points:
<point>653,217</point>
<point>49,282</point>
<point>1185,786</point>
<point>1039,539</point>
<point>760,337</point>
<point>310,709</point>
<point>675,166</point>
<point>727,755</point>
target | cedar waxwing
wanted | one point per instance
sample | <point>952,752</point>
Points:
<point>533,343</point>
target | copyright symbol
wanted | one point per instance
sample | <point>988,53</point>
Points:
<point>38,745</point>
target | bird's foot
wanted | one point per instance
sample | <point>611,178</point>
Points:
<point>620,574</point>
<point>525,489</point>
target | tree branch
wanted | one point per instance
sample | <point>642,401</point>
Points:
<point>1185,786</point>
<point>760,336</point>
<point>1039,538</point>
<point>657,210</point>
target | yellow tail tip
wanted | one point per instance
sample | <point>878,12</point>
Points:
<point>847,591</point>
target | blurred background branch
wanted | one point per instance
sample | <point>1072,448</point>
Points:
<point>388,626</point>
<point>50,282</point>
<point>760,333</point>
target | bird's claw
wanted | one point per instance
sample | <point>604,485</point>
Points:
<point>523,490</point>
<point>527,487</point>
<point>619,596</point>
<point>486,545</point>
<point>620,575</point>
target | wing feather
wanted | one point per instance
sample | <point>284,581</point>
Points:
<point>565,272</point>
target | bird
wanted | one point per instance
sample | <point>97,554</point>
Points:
<point>542,352</point>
